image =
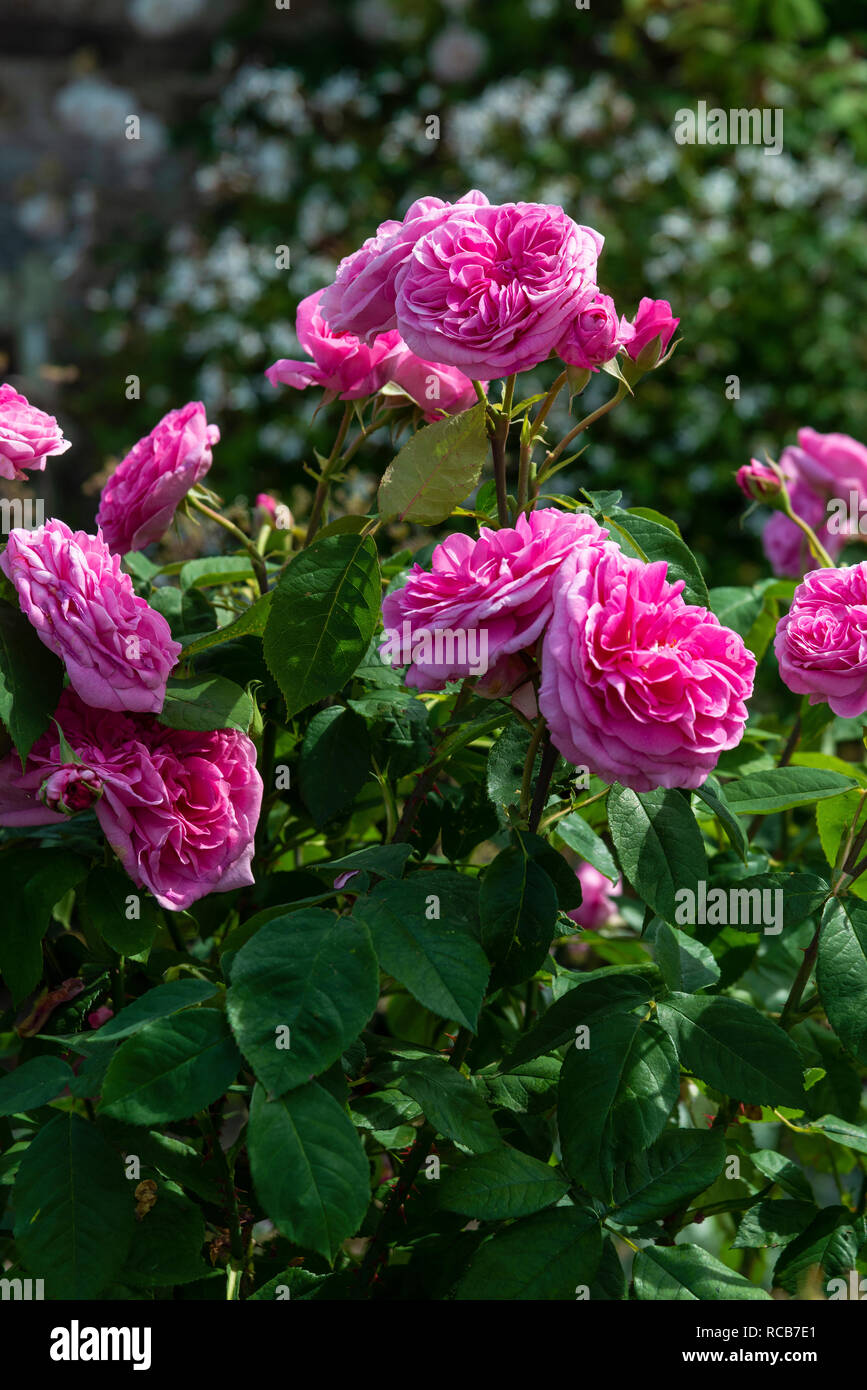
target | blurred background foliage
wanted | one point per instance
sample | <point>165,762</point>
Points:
<point>305,127</point>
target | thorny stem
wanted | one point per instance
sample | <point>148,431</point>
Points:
<point>235,1268</point>
<point>498,450</point>
<point>529,761</point>
<point>543,782</point>
<point>256,560</point>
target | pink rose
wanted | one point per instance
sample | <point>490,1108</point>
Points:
<point>100,1016</point>
<point>492,290</point>
<point>341,363</point>
<point>144,491</point>
<point>638,685</point>
<point>597,896</point>
<point>653,320</point>
<point>490,596</point>
<point>27,436</point>
<point>361,300</point>
<point>822,468</point>
<point>117,651</point>
<point>758,482</point>
<point>179,809</point>
<point>437,389</point>
<point>821,643</point>
<point>593,336</point>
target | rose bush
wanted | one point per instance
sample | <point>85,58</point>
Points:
<point>425,903</point>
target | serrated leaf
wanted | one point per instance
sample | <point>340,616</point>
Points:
<point>680,1164</point>
<point>613,989</point>
<point>451,1104</point>
<point>438,467</point>
<point>543,1257</point>
<point>615,1096</point>
<point>323,614</point>
<point>33,1083</point>
<point>782,788</point>
<point>251,623</point>
<point>658,843</point>
<point>311,973</point>
<point>437,958</point>
<point>678,1272</point>
<point>518,913</point>
<point>732,1047</point>
<point>841,972</point>
<point>580,838</point>
<point>203,703</point>
<point>501,1186</point>
<point>171,1068</point>
<point>771,1223</point>
<point>657,541</point>
<point>73,1209</point>
<point>309,1169</point>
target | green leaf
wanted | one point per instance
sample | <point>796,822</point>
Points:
<point>167,1245</point>
<point>73,1209</point>
<point>782,788</point>
<point>335,762</point>
<point>686,964</point>
<point>783,1171</point>
<point>842,1132</point>
<point>574,831</point>
<point>515,1090</point>
<point>171,1068</point>
<point>732,1047</point>
<point>714,797</point>
<point>215,570</point>
<point>613,989</point>
<point>841,972</point>
<point>771,1223</point>
<point>387,860</point>
<point>543,1257</point>
<point>678,1272</point>
<point>323,615</point>
<point>160,1002</point>
<point>518,913</point>
<point>615,1096</point>
<point>31,679</point>
<point>302,989</point>
<point>658,843</point>
<point>505,766</point>
<point>309,1169</point>
<point>737,608</point>
<point>803,895</point>
<point>438,467</point>
<point>32,882</point>
<point>501,1185</point>
<point>681,1163</point>
<point>830,1241</point>
<point>33,1083</point>
<point>657,542</point>
<point>451,1104</point>
<point>206,702</point>
<point>437,958</point>
<point>105,900</point>
<point>251,623</point>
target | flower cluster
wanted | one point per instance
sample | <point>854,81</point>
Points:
<point>635,683</point>
<point>179,808</point>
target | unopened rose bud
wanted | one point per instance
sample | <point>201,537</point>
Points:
<point>759,482</point>
<point>650,333</point>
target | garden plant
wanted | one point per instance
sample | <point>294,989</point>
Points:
<point>431,904</point>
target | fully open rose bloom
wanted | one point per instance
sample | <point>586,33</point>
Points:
<point>638,685</point>
<point>821,643</point>
<point>492,290</point>
<point>179,809</point>
<point>27,436</point>
<point>340,362</point>
<point>144,491</point>
<point>820,469</point>
<point>118,651</point>
<point>493,594</point>
<point>361,300</point>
